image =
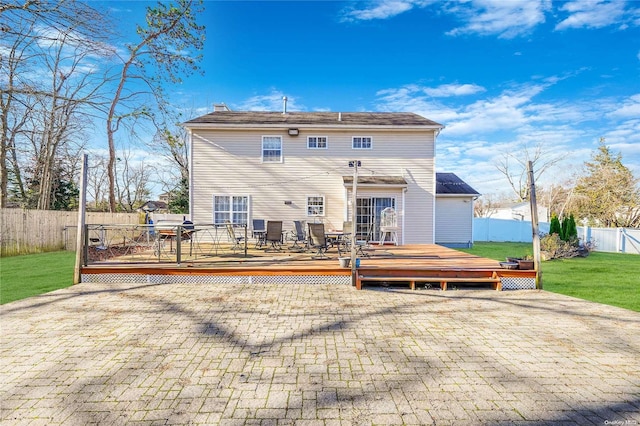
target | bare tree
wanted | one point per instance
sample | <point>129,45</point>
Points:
<point>97,183</point>
<point>171,142</point>
<point>133,178</point>
<point>45,42</point>
<point>485,206</point>
<point>162,55</point>
<point>557,197</point>
<point>514,166</point>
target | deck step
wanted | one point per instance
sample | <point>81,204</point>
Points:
<point>442,280</point>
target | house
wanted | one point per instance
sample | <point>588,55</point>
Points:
<point>295,166</point>
<point>519,211</point>
<point>154,206</point>
<point>454,211</point>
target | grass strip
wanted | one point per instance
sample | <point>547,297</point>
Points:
<point>608,278</point>
<point>32,274</point>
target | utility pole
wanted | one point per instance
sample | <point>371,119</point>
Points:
<point>534,227</point>
<point>354,216</point>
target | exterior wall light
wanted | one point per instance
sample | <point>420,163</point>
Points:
<point>294,132</point>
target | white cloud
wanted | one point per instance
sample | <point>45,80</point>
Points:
<point>502,112</point>
<point>447,90</point>
<point>478,132</point>
<point>591,14</point>
<point>506,19</point>
<point>630,108</point>
<point>412,98</point>
<point>383,9</point>
<point>271,102</point>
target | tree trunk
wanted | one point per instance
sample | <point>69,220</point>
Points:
<point>110,169</point>
<point>4,174</point>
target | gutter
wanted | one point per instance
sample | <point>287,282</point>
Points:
<point>302,127</point>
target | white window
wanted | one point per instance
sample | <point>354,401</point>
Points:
<point>315,205</point>
<point>317,142</point>
<point>361,142</point>
<point>272,149</point>
<point>230,208</point>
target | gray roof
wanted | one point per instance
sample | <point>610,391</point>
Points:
<point>450,184</point>
<point>289,119</point>
<point>375,180</point>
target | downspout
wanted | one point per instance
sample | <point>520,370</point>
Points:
<point>191,165</point>
<point>404,215</point>
<point>435,196</point>
<point>436,133</point>
<point>473,220</point>
<point>345,212</point>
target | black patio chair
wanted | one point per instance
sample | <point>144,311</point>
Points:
<point>318,240</point>
<point>273,237</point>
<point>299,236</point>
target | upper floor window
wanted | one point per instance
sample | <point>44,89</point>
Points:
<point>361,142</point>
<point>315,205</point>
<point>317,142</point>
<point>272,149</point>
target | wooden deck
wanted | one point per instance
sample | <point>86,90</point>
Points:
<point>411,265</point>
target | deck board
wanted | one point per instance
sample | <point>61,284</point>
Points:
<point>394,261</point>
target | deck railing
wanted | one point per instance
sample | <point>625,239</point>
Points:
<point>161,244</point>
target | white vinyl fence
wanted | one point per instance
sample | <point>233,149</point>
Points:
<point>611,240</point>
<point>504,230</point>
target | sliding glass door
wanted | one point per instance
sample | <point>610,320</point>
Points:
<point>368,216</point>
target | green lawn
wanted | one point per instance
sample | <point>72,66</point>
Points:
<point>609,278</point>
<point>28,275</point>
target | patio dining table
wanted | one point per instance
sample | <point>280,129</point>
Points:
<point>172,234</point>
<point>336,238</point>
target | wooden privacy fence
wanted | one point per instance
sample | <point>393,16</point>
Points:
<point>35,231</point>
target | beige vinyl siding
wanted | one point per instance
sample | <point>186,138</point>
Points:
<point>454,220</point>
<point>230,162</point>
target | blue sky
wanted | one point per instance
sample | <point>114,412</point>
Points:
<point>499,75</point>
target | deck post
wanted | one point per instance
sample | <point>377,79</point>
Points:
<point>179,244</point>
<point>85,246</point>
<point>246,225</point>
<point>82,235</point>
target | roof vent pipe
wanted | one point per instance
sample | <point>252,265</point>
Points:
<point>339,116</point>
<point>284,105</point>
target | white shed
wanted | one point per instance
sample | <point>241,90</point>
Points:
<point>454,211</point>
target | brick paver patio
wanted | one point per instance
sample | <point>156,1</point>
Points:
<point>316,355</point>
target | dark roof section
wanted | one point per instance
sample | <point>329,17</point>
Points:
<point>375,180</point>
<point>449,183</point>
<point>314,118</point>
<point>154,205</point>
